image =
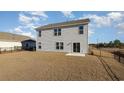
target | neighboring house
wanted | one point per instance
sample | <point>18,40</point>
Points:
<point>70,36</point>
<point>6,45</point>
<point>29,44</point>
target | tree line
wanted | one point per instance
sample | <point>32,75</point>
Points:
<point>112,44</point>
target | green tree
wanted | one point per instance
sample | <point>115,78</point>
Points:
<point>117,43</point>
<point>110,44</point>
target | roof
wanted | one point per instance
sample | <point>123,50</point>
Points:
<point>63,24</point>
<point>28,40</point>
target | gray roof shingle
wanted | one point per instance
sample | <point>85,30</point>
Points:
<point>63,24</point>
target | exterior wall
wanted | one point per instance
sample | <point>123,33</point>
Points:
<point>4,45</point>
<point>30,44</point>
<point>68,37</point>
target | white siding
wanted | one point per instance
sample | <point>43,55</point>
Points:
<point>6,45</point>
<point>68,37</point>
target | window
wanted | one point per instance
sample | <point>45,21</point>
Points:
<point>81,28</point>
<point>39,45</point>
<point>59,45</point>
<point>76,47</point>
<point>57,32</point>
<point>27,45</point>
<point>39,33</point>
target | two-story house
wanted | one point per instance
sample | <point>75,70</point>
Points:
<point>70,36</point>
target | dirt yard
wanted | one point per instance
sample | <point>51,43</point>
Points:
<point>55,66</point>
<point>116,67</point>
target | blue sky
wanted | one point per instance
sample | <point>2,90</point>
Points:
<point>104,26</point>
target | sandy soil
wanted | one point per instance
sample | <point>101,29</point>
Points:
<point>53,66</point>
<point>117,67</point>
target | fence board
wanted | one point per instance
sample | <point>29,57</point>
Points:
<point>9,49</point>
<point>119,55</point>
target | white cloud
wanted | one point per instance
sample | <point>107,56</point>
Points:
<point>116,16</point>
<point>22,31</point>
<point>35,19</point>
<point>111,19</point>
<point>36,15</point>
<point>27,34</point>
<point>121,32</point>
<point>18,29</point>
<point>39,13</point>
<point>24,19</point>
<point>106,20</point>
<point>99,21</point>
<point>90,32</point>
<point>120,28</point>
<point>68,14</point>
<point>29,19</point>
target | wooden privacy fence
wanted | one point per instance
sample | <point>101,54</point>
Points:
<point>10,49</point>
<point>119,55</point>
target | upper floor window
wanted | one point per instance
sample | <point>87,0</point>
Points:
<point>39,33</point>
<point>81,29</point>
<point>57,32</point>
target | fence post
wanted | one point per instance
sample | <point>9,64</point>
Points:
<point>100,53</point>
<point>114,54</point>
<point>119,55</point>
<point>0,50</point>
